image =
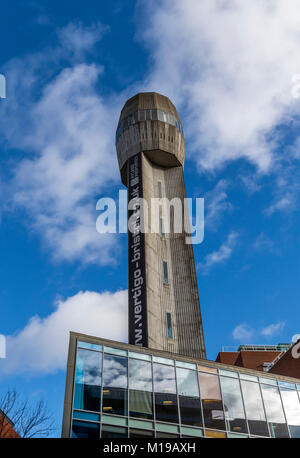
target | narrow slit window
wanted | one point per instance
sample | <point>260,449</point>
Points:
<point>165,268</point>
<point>161,228</point>
<point>159,186</point>
<point>169,326</point>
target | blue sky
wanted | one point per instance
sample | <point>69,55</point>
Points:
<point>229,69</point>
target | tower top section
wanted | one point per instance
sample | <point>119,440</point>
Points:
<point>149,123</point>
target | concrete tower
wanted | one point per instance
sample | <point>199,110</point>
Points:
<point>164,308</point>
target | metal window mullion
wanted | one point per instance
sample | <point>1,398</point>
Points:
<point>242,396</point>
<point>264,407</point>
<point>283,409</point>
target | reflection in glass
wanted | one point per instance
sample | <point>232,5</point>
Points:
<point>140,433</point>
<point>85,430</point>
<point>166,407</point>
<point>215,434</point>
<point>187,382</point>
<point>113,432</point>
<point>140,375</point>
<point>87,380</point>
<point>114,401</point>
<point>190,411</point>
<point>233,405</point>
<point>166,435</point>
<point>140,404</point>
<point>292,410</point>
<point>275,415</point>
<point>164,378</point>
<point>254,409</point>
<point>211,401</point>
<point>115,371</point>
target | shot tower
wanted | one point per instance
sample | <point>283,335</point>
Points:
<point>164,308</point>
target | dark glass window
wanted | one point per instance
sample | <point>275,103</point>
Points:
<point>140,404</point>
<point>166,408</point>
<point>292,410</point>
<point>169,325</point>
<point>211,401</point>
<point>140,433</point>
<point>140,375</point>
<point>85,430</point>
<point>190,411</point>
<point>233,405</point>
<point>254,409</point>
<point>165,269</point>
<point>87,380</point>
<point>166,435</point>
<point>115,401</point>
<point>115,371</point>
<point>113,432</point>
<point>274,410</point>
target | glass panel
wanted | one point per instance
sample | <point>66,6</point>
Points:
<point>236,436</point>
<point>252,378</point>
<point>164,378</point>
<point>114,420</point>
<point>272,401</point>
<point>212,370</point>
<point>287,385</point>
<point>191,432</point>
<point>115,371</point>
<point>186,365</point>
<point>269,381</point>
<point>140,433</point>
<point>113,431</point>
<point>254,409</point>
<point>157,359</point>
<point>169,326</point>
<point>298,386</point>
<point>233,405</point>
<point>166,435</point>
<point>140,404</point>
<point>166,407</point>
<point>187,382</point>
<point>140,424</point>
<point>165,269</point>
<point>215,434</point>
<point>140,375</point>
<point>211,401</point>
<point>166,428</point>
<point>139,356</point>
<point>115,351</point>
<point>86,415</point>
<point>88,346</point>
<point>83,430</point>
<point>115,401</point>
<point>292,410</point>
<point>228,373</point>
<point>87,380</point>
<point>190,411</point>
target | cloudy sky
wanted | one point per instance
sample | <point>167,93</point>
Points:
<point>232,68</point>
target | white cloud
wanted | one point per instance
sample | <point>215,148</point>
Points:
<point>217,203</point>
<point>263,243</point>
<point>285,204</point>
<point>41,347</point>
<point>67,135</point>
<point>273,329</point>
<point>242,332</point>
<point>222,254</point>
<point>228,67</point>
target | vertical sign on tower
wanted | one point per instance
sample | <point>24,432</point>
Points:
<point>137,313</point>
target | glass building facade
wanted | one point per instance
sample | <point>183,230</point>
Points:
<point>117,391</point>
